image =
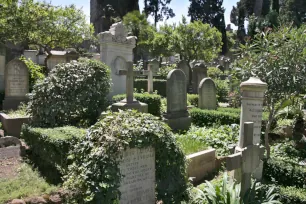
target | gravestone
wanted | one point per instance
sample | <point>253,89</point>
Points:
<point>153,68</point>
<point>16,84</point>
<point>252,97</point>
<point>183,65</point>
<point>138,169</point>
<point>129,102</point>
<point>116,48</point>
<point>32,55</point>
<point>207,94</point>
<point>246,158</point>
<point>199,72</point>
<point>177,115</point>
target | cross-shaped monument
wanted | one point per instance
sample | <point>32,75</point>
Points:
<point>153,66</point>
<point>246,159</point>
<point>129,102</point>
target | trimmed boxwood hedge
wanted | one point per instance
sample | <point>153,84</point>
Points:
<point>284,172</point>
<point>193,99</point>
<point>49,148</point>
<point>201,118</point>
<point>153,101</point>
<point>158,84</point>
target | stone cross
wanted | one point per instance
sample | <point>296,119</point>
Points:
<point>129,81</point>
<point>246,158</point>
<point>152,71</point>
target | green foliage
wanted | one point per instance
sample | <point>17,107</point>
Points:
<point>26,183</point>
<point>193,99</point>
<point>73,94</point>
<point>197,139</point>
<point>287,194</point>
<point>43,24</point>
<point>227,192</point>
<point>19,113</point>
<point>36,71</point>
<point>119,131</point>
<point>158,9</point>
<point>153,101</point>
<point>159,85</point>
<point>49,148</point>
<point>214,73</point>
<point>200,117</point>
<point>164,70</point>
<point>284,173</point>
<point>222,90</point>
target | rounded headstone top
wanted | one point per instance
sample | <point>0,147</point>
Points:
<point>253,83</point>
<point>176,73</point>
<point>206,80</point>
<point>200,66</point>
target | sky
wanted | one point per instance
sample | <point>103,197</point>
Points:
<point>180,7</point>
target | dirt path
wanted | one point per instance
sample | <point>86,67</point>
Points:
<point>10,161</point>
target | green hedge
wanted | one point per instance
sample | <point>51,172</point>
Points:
<point>158,84</point>
<point>284,173</point>
<point>153,101</point>
<point>288,194</point>
<point>200,117</point>
<point>49,148</point>
<point>193,99</point>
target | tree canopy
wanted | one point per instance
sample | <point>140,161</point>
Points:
<point>28,22</point>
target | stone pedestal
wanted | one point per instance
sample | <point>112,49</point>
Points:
<point>252,97</point>
<point>12,103</point>
<point>135,105</point>
<point>178,121</point>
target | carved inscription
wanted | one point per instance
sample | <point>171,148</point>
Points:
<point>17,79</point>
<point>138,182</point>
<point>252,111</point>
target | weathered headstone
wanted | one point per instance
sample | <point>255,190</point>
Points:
<point>116,47</point>
<point>252,97</point>
<point>138,169</point>
<point>183,65</point>
<point>199,72</point>
<point>177,115</point>
<point>129,102</point>
<point>246,158</point>
<point>16,84</point>
<point>153,67</point>
<point>31,54</point>
<point>207,94</point>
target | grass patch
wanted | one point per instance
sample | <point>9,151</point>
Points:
<point>191,144</point>
<point>19,113</point>
<point>27,183</point>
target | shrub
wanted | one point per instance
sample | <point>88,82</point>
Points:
<point>118,131</point>
<point>284,172</point>
<point>164,70</point>
<point>159,85</point>
<point>73,94</point>
<point>200,117</point>
<point>49,148</point>
<point>35,71</point>
<point>214,73</point>
<point>222,90</point>
<point>193,99</point>
<point>153,101</point>
<point>199,139</point>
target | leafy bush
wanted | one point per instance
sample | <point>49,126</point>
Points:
<point>198,139</point>
<point>164,70</point>
<point>214,73</point>
<point>222,90</point>
<point>202,118</point>
<point>288,194</point>
<point>159,85</point>
<point>118,131</point>
<point>35,71</point>
<point>193,99</point>
<point>49,148</point>
<point>73,94</point>
<point>153,101</point>
<point>284,172</point>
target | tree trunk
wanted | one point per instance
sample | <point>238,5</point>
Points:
<point>258,8</point>
<point>267,145</point>
<point>275,5</point>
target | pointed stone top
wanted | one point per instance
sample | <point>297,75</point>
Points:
<point>253,83</point>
